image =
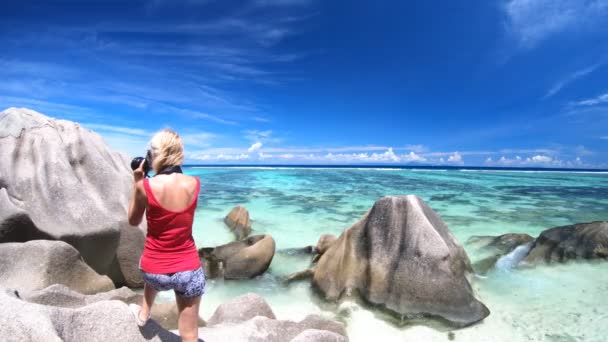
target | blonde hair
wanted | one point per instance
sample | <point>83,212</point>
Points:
<point>167,149</point>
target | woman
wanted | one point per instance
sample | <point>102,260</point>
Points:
<point>170,259</point>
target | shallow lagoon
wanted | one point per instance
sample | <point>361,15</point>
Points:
<point>561,303</point>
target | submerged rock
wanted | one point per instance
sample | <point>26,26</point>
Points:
<point>400,256</point>
<point>238,221</point>
<point>34,265</point>
<point>577,241</point>
<point>504,243</point>
<point>60,181</point>
<point>243,259</point>
<point>496,247</point>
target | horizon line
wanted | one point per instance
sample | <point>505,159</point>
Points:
<point>399,166</point>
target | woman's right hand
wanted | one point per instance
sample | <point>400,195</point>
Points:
<point>138,174</point>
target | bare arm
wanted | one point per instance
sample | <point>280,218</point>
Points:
<point>137,204</point>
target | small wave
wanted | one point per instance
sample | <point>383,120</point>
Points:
<point>511,260</point>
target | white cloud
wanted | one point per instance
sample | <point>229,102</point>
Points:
<point>536,161</point>
<point>254,147</point>
<point>456,158</point>
<point>413,157</point>
<point>540,159</point>
<point>594,101</point>
<point>389,155</point>
<point>532,21</point>
<point>263,155</point>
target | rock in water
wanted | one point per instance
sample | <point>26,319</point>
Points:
<point>239,222</point>
<point>496,247</point>
<point>401,256</point>
<point>577,241</point>
<point>243,259</point>
<point>60,181</point>
<point>34,265</point>
<point>504,244</point>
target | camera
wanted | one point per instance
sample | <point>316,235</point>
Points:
<point>147,163</point>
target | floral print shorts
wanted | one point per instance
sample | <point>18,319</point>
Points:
<point>188,284</point>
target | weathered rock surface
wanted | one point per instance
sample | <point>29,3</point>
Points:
<point>325,241</point>
<point>401,256</point>
<point>64,315</point>
<point>243,259</point>
<point>165,314</point>
<point>238,221</point>
<point>34,265</point>
<point>315,335</point>
<point>249,318</point>
<point>60,181</point>
<point>241,309</point>
<point>100,321</point>
<point>577,241</point>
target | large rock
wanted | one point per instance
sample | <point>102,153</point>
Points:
<point>238,221</point>
<point>165,314</point>
<point>316,335</point>
<point>263,329</point>
<point>60,181</point>
<point>249,318</point>
<point>100,321</point>
<point>34,265</point>
<point>241,309</point>
<point>400,256</point>
<point>243,259</point>
<point>577,241</point>
<point>100,318</point>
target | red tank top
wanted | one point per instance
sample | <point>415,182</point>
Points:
<point>169,244</point>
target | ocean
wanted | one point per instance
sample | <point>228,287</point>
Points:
<point>296,205</point>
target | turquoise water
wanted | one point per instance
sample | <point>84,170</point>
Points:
<point>296,206</point>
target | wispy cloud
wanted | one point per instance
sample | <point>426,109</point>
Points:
<point>198,139</point>
<point>557,87</point>
<point>532,21</point>
<point>167,66</point>
<point>594,101</point>
<point>117,129</point>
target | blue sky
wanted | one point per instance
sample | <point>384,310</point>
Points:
<point>494,83</point>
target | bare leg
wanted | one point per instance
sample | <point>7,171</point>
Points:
<point>147,302</point>
<point>188,317</point>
